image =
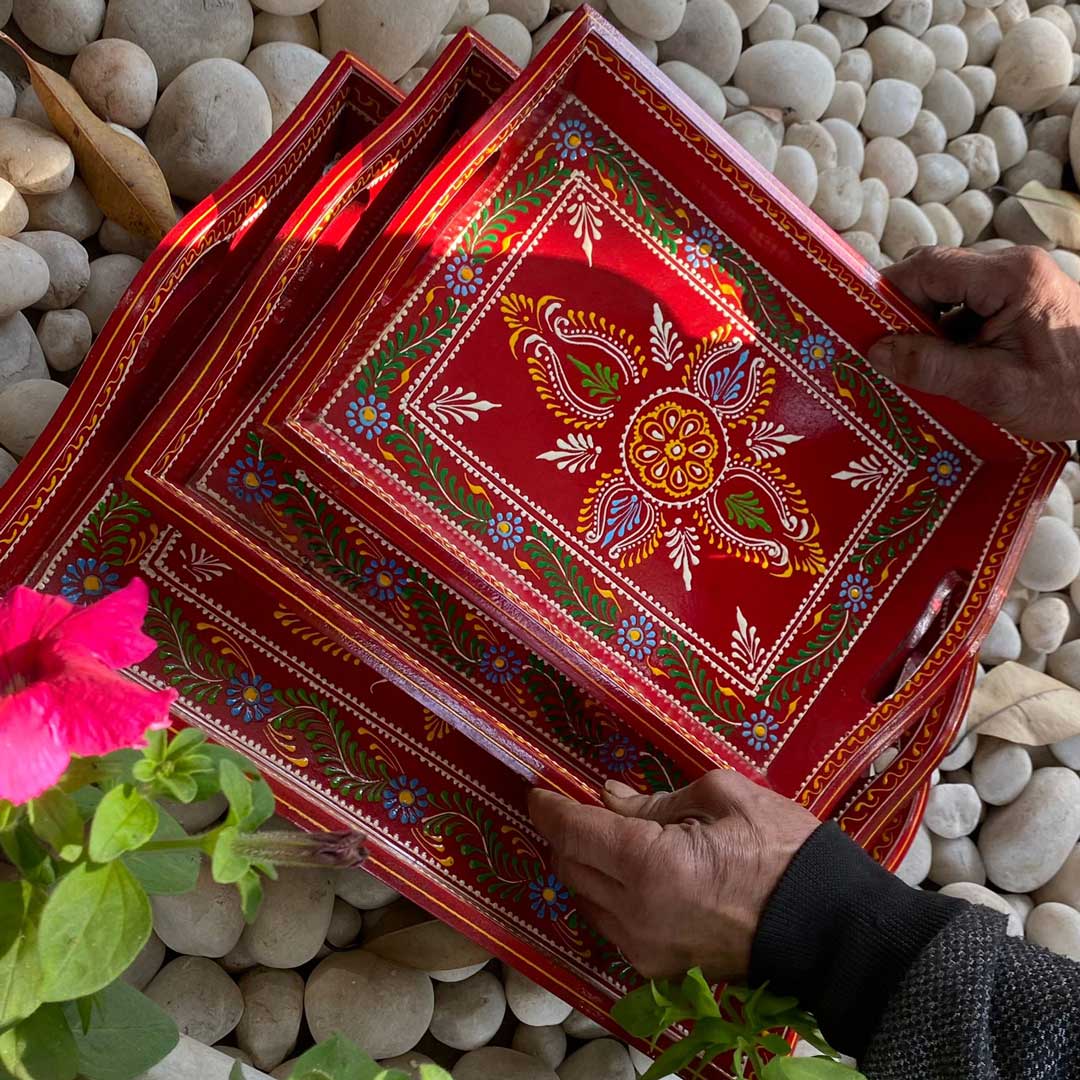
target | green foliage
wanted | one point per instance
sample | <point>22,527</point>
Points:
<point>54,816</point>
<point>339,1059</point>
<point>581,600</point>
<point>94,924</point>
<point>110,529</point>
<point>887,409</point>
<point>909,525</point>
<point>20,965</point>
<point>598,381</point>
<point>198,673</point>
<point>174,767</point>
<point>168,872</point>
<point>760,298</point>
<point>745,509</point>
<point>124,820</point>
<point>739,1022</point>
<point>41,1047</point>
<point>125,1035</point>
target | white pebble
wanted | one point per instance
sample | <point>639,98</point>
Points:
<point>1000,771</point>
<point>848,103</point>
<point>1060,18</point>
<point>943,221</point>
<point>948,97</point>
<point>983,34</point>
<point>1033,65</point>
<point>21,355</point>
<point>856,66</point>
<point>117,79</point>
<point>1067,751</point>
<point>468,1014</point>
<point>961,752</point>
<point>899,55</point>
<point>891,108</point>
<point>948,12</point>
<point>915,866</point>
<point>789,75</point>
<point>941,177</point>
<point>109,278</point>
<point>751,131</point>
<point>1055,927</point>
<point>1034,165</point>
<point>1010,13</point>
<point>1051,136</point>
<point>531,1003</point>
<point>795,169</point>
<point>978,154</point>
<point>839,197</point>
<point>547,1043</point>
<point>1064,663</point>
<point>60,26</point>
<point>955,860</point>
<point>816,140</point>
<point>984,897</point>
<point>911,15</point>
<point>981,81</point>
<point>952,810</point>
<point>297,28</point>
<point>709,38</point>
<point>508,35</point>
<point>1044,623</point>
<point>697,86</point>
<point>69,268</point>
<point>949,46</point>
<point>875,209</point>
<point>775,23</point>
<point>927,135</point>
<point>850,146</point>
<point>1052,559</point>
<point>1002,643</point>
<point>1005,127</point>
<point>849,30</point>
<point>820,39</point>
<point>532,13</point>
<point>1068,261</point>
<point>974,211</point>
<point>286,72</point>
<point>864,244</point>
<point>894,164</point>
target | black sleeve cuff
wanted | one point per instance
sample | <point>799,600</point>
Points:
<point>840,932</point>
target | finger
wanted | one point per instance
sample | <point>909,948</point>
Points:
<point>933,278</point>
<point>976,377</point>
<point>585,834</point>
<point>592,884</point>
<point>707,799</point>
<point>606,923</point>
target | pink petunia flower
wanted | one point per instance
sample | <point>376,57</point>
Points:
<point>61,693</point>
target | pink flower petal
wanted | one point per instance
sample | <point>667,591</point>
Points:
<point>26,615</point>
<point>31,758</point>
<point>110,629</point>
<point>99,710</point>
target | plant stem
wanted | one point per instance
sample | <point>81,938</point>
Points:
<point>202,841</point>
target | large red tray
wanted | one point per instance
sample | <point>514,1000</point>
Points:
<point>362,651</point>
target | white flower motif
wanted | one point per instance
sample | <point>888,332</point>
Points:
<point>665,344</point>
<point>683,548</point>
<point>868,472</point>
<point>587,224</point>
<point>459,405</point>
<point>768,439</point>
<point>576,453</point>
<point>745,643</point>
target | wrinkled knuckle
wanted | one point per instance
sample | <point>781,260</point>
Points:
<point>1029,261</point>
<point>908,359</point>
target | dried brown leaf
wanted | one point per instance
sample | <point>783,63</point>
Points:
<point>122,176</point>
<point>1056,213</point>
<point>1020,705</point>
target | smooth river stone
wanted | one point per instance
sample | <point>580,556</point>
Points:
<point>205,1003</point>
<point>383,1007</point>
<point>1000,771</point>
<point>984,897</point>
<point>1064,886</point>
<point>207,921</point>
<point>1055,927</point>
<point>1052,558</point>
<point>1033,65</point>
<point>603,1059</point>
<point>952,810</point>
<point>709,38</point>
<point>468,1013</point>
<point>25,409</point>
<point>789,75</point>
<point>21,355</point>
<point>497,1063</point>
<point>532,1004</point>
<point>1024,844</point>
<point>273,1009</point>
<point>546,1043</point>
<point>955,860</point>
<point>293,919</point>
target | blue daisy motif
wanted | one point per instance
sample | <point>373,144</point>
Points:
<point>368,416</point>
<point>636,636</point>
<point>463,276</point>
<point>856,592</point>
<point>500,664</point>
<point>385,579</point>
<point>249,697</point>
<point>760,730</point>
<point>817,352</point>
<point>251,480</point>
<point>507,530</point>
<point>548,896</point>
<point>700,247</point>
<point>573,140</point>
<point>405,800</point>
<point>944,468</point>
<point>87,579</point>
<point>618,754</point>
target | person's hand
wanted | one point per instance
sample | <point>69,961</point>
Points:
<point>1022,367</point>
<point>679,879</point>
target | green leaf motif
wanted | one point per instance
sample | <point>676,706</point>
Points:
<point>887,409</point>
<point>94,924</point>
<point>760,301</point>
<point>20,966</point>
<point>109,529</point>
<point>196,671</point>
<point>631,181</point>
<point>127,1035</point>
<point>165,873</point>
<point>124,820</point>
<point>697,689</point>
<point>41,1047</point>
<point>435,481</point>
<point>599,381</point>
<point>905,528</point>
<point>582,601</point>
<point>834,634</point>
<point>745,509</point>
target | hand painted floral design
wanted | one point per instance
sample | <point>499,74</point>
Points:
<point>760,730</point>
<point>368,416</point>
<point>464,275</point>
<point>618,754</point>
<point>507,530</point>
<point>636,636</point>
<point>87,579</point>
<point>856,592</point>
<point>573,140</point>
<point>500,664</point>
<point>548,896</point>
<point>249,697</point>
<point>405,800</point>
<point>944,468</point>
<point>251,480</point>
<point>700,246</point>
<point>385,579</point>
<point>682,448</point>
<point>817,352</point>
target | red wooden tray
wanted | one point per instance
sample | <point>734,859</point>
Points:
<point>361,649</point>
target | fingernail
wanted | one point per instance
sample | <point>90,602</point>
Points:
<point>619,789</point>
<point>881,355</point>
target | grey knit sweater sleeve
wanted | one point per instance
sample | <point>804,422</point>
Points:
<point>911,983</point>
<point>976,1003</point>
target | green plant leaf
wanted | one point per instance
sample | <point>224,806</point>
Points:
<point>84,1006</point>
<point>55,818</point>
<point>434,1072</point>
<point>92,927</point>
<point>124,820</point>
<point>27,855</point>
<point>675,1058</point>
<point>237,1071</point>
<point>20,967</point>
<point>640,1014</point>
<point>815,1068</point>
<point>127,1035</point>
<point>336,1059</point>
<point>87,800</point>
<point>237,789</point>
<point>8,813</point>
<point>41,1047</point>
<point>251,893</point>
<point>226,865</point>
<point>775,1044</point>
<point>700,994</point>
<point>165,873</point>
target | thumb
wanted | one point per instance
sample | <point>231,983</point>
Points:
<point>972,375</point>
<point>707,799</point>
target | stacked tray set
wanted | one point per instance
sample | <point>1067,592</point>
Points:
<point>520,433</point>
